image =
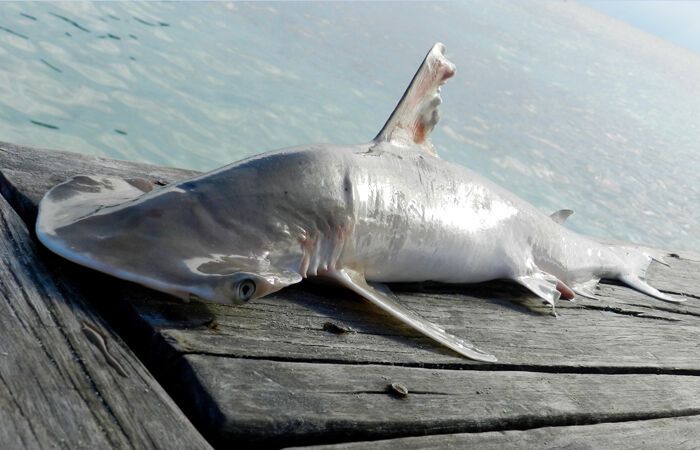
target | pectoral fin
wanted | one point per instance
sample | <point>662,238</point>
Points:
<point>357,283</point>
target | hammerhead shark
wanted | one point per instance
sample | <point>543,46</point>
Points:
<point>386,211</point>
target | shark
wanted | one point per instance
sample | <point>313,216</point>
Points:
<point>357,216</point>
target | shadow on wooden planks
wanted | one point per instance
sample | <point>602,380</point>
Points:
<point>314,365</point>
<point>67,379</point>
<point>677,433</point>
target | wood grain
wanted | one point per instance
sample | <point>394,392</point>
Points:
<point>677,433</point>
<point>58,386</point>
<point>284,403</point>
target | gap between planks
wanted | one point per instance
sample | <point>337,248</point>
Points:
<point>313,403</point>
<point>489,367</point>
<point>675,432</point>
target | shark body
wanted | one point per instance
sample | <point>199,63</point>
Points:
<point>387,211</point>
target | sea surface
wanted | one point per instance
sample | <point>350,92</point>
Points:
<point>558,103</point>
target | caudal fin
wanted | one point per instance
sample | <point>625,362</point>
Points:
<point>637,261</point>
<point>637,283</point>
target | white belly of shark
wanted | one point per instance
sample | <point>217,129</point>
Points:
<point>386,211</point>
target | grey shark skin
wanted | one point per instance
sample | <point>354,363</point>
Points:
<point>386,211</point>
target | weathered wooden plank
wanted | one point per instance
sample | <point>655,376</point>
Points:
<point>58,386</point>
<point>610,334</point>
<point>677,433</point>
<point>284,403</point>
<point>191,347</point>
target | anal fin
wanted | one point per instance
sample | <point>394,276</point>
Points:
<point>382,298</point>
<point>545,286</point>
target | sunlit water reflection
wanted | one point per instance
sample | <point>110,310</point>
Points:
<point>563,106</point>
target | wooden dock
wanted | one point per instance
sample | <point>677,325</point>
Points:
<point>88,361</point>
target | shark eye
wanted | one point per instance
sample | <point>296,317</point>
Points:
<point>245,289</point>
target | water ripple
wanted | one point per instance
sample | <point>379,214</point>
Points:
<point>551,100</point>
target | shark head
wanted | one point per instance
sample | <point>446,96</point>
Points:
<point>112,225</point>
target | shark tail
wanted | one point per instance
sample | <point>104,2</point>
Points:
<point>637,260</point>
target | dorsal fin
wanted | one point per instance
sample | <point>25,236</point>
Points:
<point>561,215</point>
<point>417,112</point>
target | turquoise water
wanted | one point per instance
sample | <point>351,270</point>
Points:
<point>556,102</point>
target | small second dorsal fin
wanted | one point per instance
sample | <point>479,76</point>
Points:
<point>417,113</point>
<point>561,215</point>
